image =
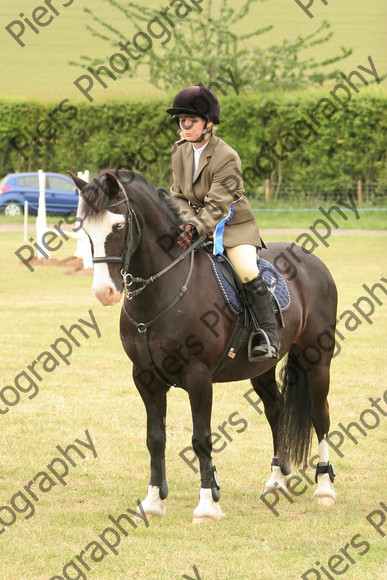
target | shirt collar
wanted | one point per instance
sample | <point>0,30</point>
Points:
<point>200,149</point>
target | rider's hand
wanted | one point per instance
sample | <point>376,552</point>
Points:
<point>188,234</point>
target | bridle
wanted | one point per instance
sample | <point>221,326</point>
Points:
<point>142,327</point>
<point>125,256</point>
<point>131,217</point>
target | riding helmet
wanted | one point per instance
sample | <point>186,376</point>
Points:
<point>196,101</point>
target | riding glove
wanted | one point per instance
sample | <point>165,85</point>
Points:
<point>187,236</point>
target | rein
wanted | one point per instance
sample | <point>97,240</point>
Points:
<point>124,258</point>
<point>131,294</point>
<point>142,327</point>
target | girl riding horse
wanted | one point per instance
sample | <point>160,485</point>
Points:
<point>208,187</point>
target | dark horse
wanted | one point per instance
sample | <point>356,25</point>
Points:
<point>133,226</point>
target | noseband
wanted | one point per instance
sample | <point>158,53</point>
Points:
<point>131,216</point>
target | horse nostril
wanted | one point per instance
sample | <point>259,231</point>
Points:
<point>106,295</point>
<point>110,292</point>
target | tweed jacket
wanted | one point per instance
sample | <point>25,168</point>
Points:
<point>205,200</point>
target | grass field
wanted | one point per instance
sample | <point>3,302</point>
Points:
<point>40,69</point>
<point>96,393</point>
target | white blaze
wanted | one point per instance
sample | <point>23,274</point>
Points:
<point>98,230</point>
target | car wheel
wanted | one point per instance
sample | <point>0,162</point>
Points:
<point>13,209</point>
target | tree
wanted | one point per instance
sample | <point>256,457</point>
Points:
<point>204,44</point>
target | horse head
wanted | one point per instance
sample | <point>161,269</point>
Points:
<point>112,227</point>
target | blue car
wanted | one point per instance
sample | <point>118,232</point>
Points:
<point>15,188</point>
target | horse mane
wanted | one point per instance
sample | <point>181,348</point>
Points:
<point>96,199</point>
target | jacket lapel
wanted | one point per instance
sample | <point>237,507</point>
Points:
<point>188,161</point>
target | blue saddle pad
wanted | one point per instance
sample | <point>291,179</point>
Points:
<point>272,277</point>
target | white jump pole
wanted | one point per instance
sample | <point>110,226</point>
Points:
<point>25,220</point>
<point>41,220</point>
<point>83,243</point>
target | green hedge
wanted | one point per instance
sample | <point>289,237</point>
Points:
<point>331,157</point>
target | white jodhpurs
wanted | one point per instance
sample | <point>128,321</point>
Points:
<point>244,260</point>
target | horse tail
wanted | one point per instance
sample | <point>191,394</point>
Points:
<point>295,435</point>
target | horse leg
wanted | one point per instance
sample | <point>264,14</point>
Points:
<point>305,393</point>
<point>155,400</point>
<point>200,395</point>
<point>267,389</point>
<point>318,377</point>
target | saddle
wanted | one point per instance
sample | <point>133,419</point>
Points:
<point>233,295</point>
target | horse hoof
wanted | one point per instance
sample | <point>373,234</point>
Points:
<point>325,500</point>
<point>208,509</point>
<point>147,515</point>
<point>277,480</point>
<point>153,505</point>
<point>205,519</point>
<point>202,520</point>
<point>278,485</point>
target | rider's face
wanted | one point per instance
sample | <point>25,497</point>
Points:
<point>192,128</point>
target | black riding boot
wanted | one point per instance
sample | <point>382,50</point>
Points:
<point>263,343</point>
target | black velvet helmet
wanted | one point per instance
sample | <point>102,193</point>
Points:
<point>196,101</point>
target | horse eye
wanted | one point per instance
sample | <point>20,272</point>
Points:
<point>120,226</point>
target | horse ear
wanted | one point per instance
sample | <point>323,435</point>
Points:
<point>80,183</point>
<point>113,187</point>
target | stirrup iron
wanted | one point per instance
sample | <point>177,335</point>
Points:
<point>271,352</point>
